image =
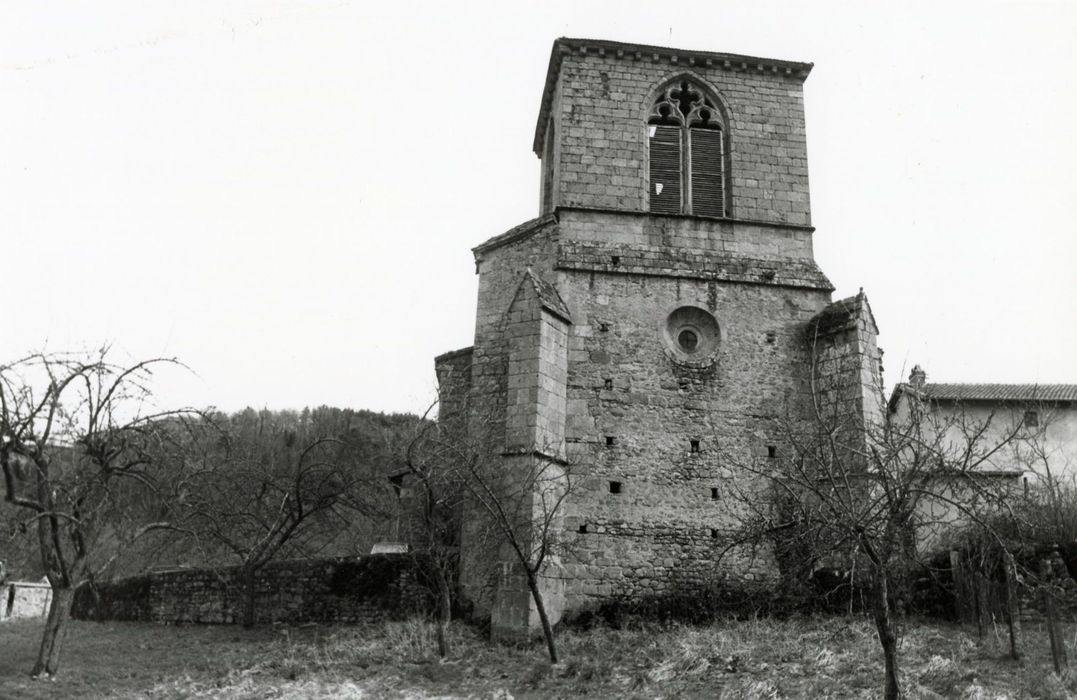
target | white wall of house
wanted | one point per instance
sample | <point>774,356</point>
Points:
<point>24,599</point>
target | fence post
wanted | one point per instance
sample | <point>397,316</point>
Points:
<point>1054,631</point>
<point>1054,628</point>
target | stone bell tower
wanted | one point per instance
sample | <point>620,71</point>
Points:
<point>651,322</point>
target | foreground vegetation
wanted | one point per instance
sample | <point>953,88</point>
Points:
<point>824,657</point>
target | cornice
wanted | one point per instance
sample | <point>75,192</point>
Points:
<point>655,54</point>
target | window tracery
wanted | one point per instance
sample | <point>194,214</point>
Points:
<point>687,152</point>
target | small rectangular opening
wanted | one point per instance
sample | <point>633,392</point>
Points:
<point>604,327</point>
<point>607,383</point>
<point>1025,480</point>
<point>616,260</point>
<point>714,533</point>
<point>714,493</point>
<point>610,441</point>
<point>771,335</point>
<point>583,529</point>
<point>615,487</point>
<point>1032,419</point>
<point>772,451</point>
<point>694,443</point>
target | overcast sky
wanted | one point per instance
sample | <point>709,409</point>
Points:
<point>284,194</point>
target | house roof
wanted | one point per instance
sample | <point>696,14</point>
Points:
<point>644,52</point>
<point>994,393</point>
<point>1000,392</point>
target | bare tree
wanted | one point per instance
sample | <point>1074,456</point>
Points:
<point>513,512</point>
<point>1050,513</point>
<point>844,486</point>
<point>273,485</point>
<point>78,437</point>
<point>524,509</point>
<point>433,509</point>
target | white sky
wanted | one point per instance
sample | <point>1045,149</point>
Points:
<point>284,194</point>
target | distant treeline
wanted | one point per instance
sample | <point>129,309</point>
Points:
<point>258,447</point>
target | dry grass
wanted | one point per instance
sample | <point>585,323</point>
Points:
<point>828,657</point>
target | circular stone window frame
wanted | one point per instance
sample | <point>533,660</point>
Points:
<point>706,327</point>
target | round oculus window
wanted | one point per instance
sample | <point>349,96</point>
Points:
<point>692,334</point>
<point>688,340</point>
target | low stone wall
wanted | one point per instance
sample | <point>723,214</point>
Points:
<point>368,588</point>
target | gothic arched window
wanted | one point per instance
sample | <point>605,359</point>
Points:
<point>687,146</point>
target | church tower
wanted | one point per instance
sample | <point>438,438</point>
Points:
<point>651,322</point>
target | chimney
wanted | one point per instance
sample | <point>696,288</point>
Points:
<point>917,378</point>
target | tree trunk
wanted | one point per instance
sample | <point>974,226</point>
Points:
<point>983,610</point>
<point>1012,619</point>
<point>884,626</point>
<point>444,613</point>
<point>547,630</point>
<point>248,598</point>
<point>48,656</point>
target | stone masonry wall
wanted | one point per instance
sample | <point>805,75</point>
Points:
<point>374,587</point>
<point>767,241</point>
<point>501,271</point>
<point>537,369</point>
<point>636,411</point>
<point>453,370</point>
<point>659,432</point>
<point>602,150</point>
<point>662,532</point>
<point>847,365</point>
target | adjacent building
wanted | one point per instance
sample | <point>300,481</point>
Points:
<point>1037,421</point>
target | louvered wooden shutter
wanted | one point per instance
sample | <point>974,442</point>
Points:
<point>708,181</point>
<point>666,170</point>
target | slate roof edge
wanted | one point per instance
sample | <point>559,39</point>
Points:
<point>549,297</point>
<point>848,308</point>
<point>453,354</point>
<point>726,61</point>
<point>515,233</point>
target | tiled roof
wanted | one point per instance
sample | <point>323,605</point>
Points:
<point>842,315</point>
<point>1000,392</point>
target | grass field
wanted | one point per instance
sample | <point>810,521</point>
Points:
<point>829,657</point>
